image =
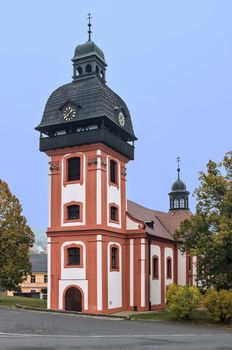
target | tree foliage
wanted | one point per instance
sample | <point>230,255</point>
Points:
<point>16,238</point>
<point>208,233</point>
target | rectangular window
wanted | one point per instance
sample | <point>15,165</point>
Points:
<point>32,278</point>
<point>113,172</point>
<point>114,258</point>
<point>74,256</point>
<point>114,213</point>
<point>45,278</point>
<point>74,169</point>
<point>73,212</point>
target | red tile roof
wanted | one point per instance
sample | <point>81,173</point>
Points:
<point>165,224</point>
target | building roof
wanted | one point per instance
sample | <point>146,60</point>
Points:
<point>38,262</point>
<point>165,224</point>
<point>94,100</point>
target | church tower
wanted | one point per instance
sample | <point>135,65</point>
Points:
<point>87,133</point>
<point>179,196</point>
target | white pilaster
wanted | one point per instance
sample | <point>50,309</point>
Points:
<point>49,274</point>
<point>142,272</point>
<point>99,272</point>
<point>131,272</point>
<point>99,190</point>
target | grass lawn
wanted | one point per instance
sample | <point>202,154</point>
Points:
<point>32,302</point>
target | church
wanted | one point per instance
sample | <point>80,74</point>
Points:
<point>105,253</point>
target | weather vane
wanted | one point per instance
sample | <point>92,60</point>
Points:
<point>89,25</point>
<point>178,166</point>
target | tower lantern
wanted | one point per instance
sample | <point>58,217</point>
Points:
<point>179,196</point>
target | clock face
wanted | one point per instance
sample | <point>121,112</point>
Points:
<point>121,119</point>
<point>69,112</point>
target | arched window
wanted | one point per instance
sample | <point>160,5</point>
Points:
<point>182,204</point>
<point>155,267</point>
<point>88,68</point>
<point>102,74</point>
<point>73,212</point>
<point>97,69</point>
<point>79,70</point>
<point>74,169</point>
<point>73,256</point>
<point>114,258</point>
<point>169,267</point>
<point>176,203</point>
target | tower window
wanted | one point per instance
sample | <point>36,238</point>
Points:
<point>79,70</point>
<point>113,172</point>
<point>74,256</point>
<point>169,267</point>
<point>155,263</point>
<point>182,204</point>
<point>88,68</point>
<point>176,203</point>
<point>114,258</point>
<point>73,212</point>
<point>114,213</point>
<point>97,69</point>
<point>74,169</point>
<point>102,74</point>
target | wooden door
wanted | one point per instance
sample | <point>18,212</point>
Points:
<point>73,299</point>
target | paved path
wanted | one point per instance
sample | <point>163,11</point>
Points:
<point>28,330</point>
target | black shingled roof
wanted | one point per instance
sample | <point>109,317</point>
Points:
<point>95,99</point>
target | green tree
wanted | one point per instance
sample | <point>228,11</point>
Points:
<point>16,238</point>
<point>208,233</point>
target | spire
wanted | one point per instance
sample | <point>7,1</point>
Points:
<point>89,25</point>
<point>179,194</point>
<point>178,166</point>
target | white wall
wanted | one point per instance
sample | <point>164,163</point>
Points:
<point>114,280</point>
<point>73,272</point>
<point>194,270</point>
<point>181,268</point>
<point>168,252</point>
<point>113,195</point>
<point>131,225</point>
<point>82,284</point>
<point>73,192</point>
<point>155,284</point>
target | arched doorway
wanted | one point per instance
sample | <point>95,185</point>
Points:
<point>73,299</point>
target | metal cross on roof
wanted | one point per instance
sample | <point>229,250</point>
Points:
<point>89,25</point>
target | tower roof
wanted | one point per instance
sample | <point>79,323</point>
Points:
<point>178,186</point>
<point>95,100</point>
<point>88,49</point>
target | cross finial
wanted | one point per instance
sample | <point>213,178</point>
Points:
<point>178,166</point>
<point>89,25</point>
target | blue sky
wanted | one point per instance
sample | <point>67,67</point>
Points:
<point>171,61</point>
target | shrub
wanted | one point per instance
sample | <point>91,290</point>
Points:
<point>219,304</point>
<point>181,301</point>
